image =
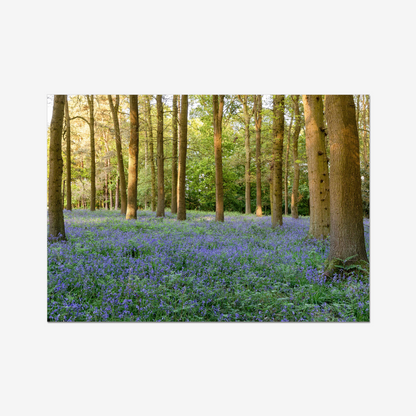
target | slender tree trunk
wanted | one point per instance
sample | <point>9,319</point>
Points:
<point>68,158</point>
<point>133,159</point>
<point>117,192</point>
<point>152,158</point>
<point>146,167</point>
<point>106,205</point>
<point>174,200</point>
<point>347,230</point>
<point>63,194</point>
<point>183,139</point>
<point>278,136</point>
<point>287,167</point>
<point>120,163</point>
<point>55,211</point>
<point>218,106</point>
<point>258,122</point>
<point>247,117</point>
<point>90,99</point>
<point>317,167</point>
<point>296,170</point>
<point>365,109</point>
<point>111,191</point>
<point>160,160</point>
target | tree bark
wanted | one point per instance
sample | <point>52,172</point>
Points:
<point>90,99</point>
<point>278,136</point>
<point>152,158</point>
<point>133,159</point>
<point>120,163</point>
<point>247,116</point>
<point>160,160</point>
<point>117,192</point>
<point>318,177</point>
<point>55,211</point>
<point>174,199</point>
<point>346,213</point>
<point>182,158</point>
<point>287,167</point>
<point>218,106</point>
<point>296,171</point>
<point>258,122</point>
<point>68,158</point>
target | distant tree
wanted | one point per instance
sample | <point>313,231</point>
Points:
<point>317,167</point>
<point>68,157</point>
<point>120,164</point>
<point>133,159</point>
<point>277,172</point>
<point>247,116</point>
<point>55,212</point>
<point>160,160</point>
<point>182,158</point>
<point>218,106</point>
<point>90,99</point>
<point>346,213</point>
<point>152,158</point>
<point>258,122</point>
<point>174,199</point>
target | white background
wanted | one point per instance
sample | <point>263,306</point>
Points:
<point>216,47</point>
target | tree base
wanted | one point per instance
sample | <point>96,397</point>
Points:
<point>345,268</point>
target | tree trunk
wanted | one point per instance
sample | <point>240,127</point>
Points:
<point>287,167</point>
<point>317,167</point>
<point>174,199</point>
<point>183,141</point>
<point>218,106</point>
<point>258,122</point>
<point>295,186</point>
<point>247,117</point>
<point>278,135</point>
<point>111,192</point>
<point>63,194</point>
<point>120,163</point>
<point>133,159</point>
<point>68,158</point>
<point>106,205</point>
<point>347,230</point>
<point>55,211</point>
<point>117,186</point>
<point>160,160</point>
<point>152,158</point>
<point>90,99</point>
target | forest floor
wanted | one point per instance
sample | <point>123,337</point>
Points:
<point>154,269</point>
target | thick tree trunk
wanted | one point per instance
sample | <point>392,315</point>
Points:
<point>90,99</point>
<point>160,160</point>
<point>218,106</point>
<point>174,199</point>
<point>278,136</point>
<point>55,211</point>
<point>146,167</point>
<point>258,122</point>
<point>296,170</point>
<point>120,163</point>
<point>287,167</point>
<point>317,167</point>
<point>183,139</point>
<point>152,158</point>
<point>133,159</point>
<point>68,158</point>
<point>347,230</point>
